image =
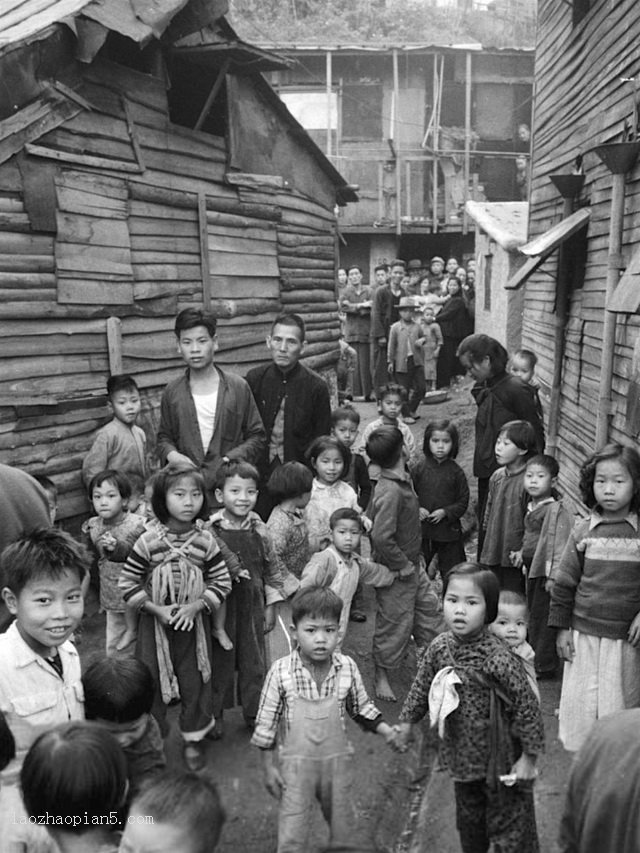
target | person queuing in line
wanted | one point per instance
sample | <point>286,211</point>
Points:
<point>356,304</point>
<point>292,400</point>
<point>595,597</point>
<point>488,719</point>
<point>430,342</point>
<point>500,398</point>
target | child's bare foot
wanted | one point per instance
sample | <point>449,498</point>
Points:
<point>383,688</point>
<point>125,640</point>
<point>223,638</point>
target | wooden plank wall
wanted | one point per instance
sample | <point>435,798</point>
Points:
<point>127,243</point>
<point>581,103</point>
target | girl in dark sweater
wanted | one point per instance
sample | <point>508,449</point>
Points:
<point>443,492</point>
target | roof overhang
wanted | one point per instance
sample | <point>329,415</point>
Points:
<point>539,249</point>
<point>504,221</point>
<point>242,58</point>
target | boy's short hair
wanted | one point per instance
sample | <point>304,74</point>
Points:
<point>110,475</point>
<point>345,513</point>
<point>47,552</point>
<point>77,768</point>
<point>121,382</point>
<point>316,601</point>
<point>545,461</point>
<point>383,267</point>
<point>165,478</point>
<point>510,596</point>
<point>191,318</point>
<point>528,356</point>
<point>116,689</point>
<point>354,267</point>
<point>479,347</point>
<point>391,388</point>
<point>187,800</point>
<point>289,481</point>
<point>290,320</point>
<point>345,413</point>
<point>486,581</point>
<point>384,446</point>
<point>521,433</point>
<point>236,468</point>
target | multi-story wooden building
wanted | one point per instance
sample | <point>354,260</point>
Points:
<point>420,129</point>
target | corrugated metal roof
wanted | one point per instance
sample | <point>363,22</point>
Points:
<point>139,20</point>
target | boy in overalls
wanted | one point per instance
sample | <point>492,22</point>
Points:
<point>311,690</point>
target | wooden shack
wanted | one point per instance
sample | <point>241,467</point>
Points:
<point>145,166</point>
<point>582,295</point>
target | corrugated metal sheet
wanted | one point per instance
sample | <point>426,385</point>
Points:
<point>139,20</point>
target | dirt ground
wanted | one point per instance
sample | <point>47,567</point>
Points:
<point>402,804</point>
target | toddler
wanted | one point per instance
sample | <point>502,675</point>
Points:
<point>186,812</point>
<point>547,525</point>
<point>290,489</point>
<point>523,364</point>
<point>443,492</point>
<point>76,775</point>
<point>174,577</point>
<point>112,531</point>
<point>489,721</point>
<point>42,577</point>
<point>120,445</point>
<point>250,607</point>
<point>409,606</point>
<point>595,597</point>
<point>118,695</point>
<point>329,458</point>
<point>510,625</point>
<point>506,504</point>
<point>310,692</point>
<point>430,342</point>
<point>341,568</point>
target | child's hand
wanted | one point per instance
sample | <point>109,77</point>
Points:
<point>388,733</point>
<point>548,585</point>
<point>634,631</point>
<point>269,618</point>
<point>274,782</point>
<point>424,514</point>
<point>402,737</point>
<point>367,524</point>
<point>525,768</point>
<point>406,572</point>
<point>162,612</point>
<point>564,645</point>
<point>108,541</point>
<point>437,516</point>
<point>184,616</point>
<point>516,559</point>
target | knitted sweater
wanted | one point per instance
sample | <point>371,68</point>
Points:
<point>597,584</point>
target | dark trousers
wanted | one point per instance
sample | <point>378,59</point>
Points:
<point>362,375</point>
<point>503,820</point>
<point>509,578</point>
<point>541,637</point>
<point>483,494</point>
<point>413,382</point>
<point>449,554</point>
<point>380,373</point>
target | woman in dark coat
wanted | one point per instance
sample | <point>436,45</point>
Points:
<point>453,320</point>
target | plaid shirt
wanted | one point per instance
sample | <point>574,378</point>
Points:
<point>289,678</point>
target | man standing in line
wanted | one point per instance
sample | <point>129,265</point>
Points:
<point>383,314</point>
<point>293,401</point>
<point>207,416</point>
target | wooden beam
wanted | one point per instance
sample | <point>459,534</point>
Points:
<point>137,150</point>
<point>204,251</point>
<point>82,159</point>
<point>114,342</point>
<point>212,94</point>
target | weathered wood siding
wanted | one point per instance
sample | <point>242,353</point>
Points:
<point>581,103</point>
<point>124,234</point>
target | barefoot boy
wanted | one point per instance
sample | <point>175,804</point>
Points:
<point>409,606</point>
<point>311,690</point>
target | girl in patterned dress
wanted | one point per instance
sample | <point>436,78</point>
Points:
<point>489,721</point>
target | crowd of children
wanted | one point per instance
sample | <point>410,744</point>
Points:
<point>215,609</point>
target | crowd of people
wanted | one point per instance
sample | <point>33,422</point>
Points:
<point>405,328</point>
<point>230,575</point>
